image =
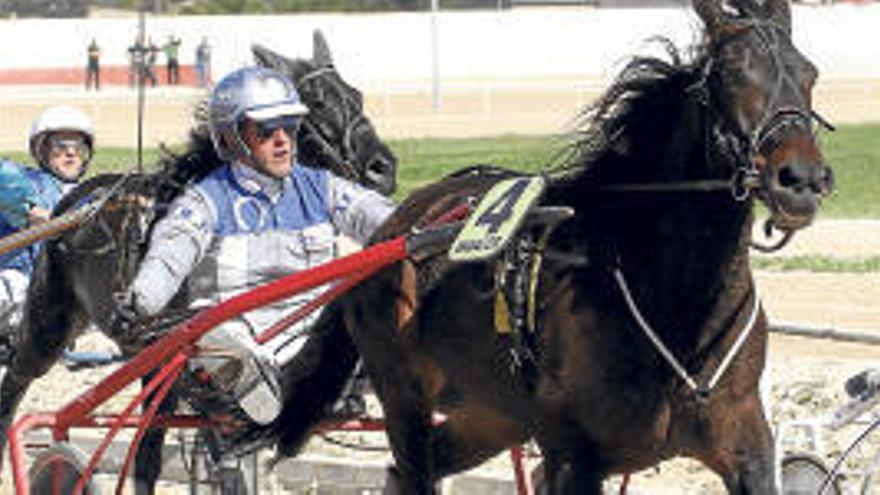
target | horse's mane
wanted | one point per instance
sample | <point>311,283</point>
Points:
<point>633,114</point>
<point>177,170</point>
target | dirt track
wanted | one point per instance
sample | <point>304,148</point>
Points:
<point>471,107</point>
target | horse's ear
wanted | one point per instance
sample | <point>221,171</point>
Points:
<point>748,8</point>
<point>321,51</point>
<point>268,58</point>
<point>711,13</point>
<point>779,11</point>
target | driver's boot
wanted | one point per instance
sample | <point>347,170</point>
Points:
<point>244,369</point>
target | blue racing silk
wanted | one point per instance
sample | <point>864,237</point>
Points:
<point>21,188</point>
<point>238,229</point>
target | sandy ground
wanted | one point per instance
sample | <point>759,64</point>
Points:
<point>847,301</point>
<point>468,108</point>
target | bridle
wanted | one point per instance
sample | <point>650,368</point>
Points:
<point>343,161</point>
<point>778,116</point>
<point>743,150</point>
<point>735,145</point>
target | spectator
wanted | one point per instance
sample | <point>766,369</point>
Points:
<point>142,58</point>
<point>172,49</point>
<point>135,59</point>
<point>203,62</point>
<point>93,67</point>
<point>150,53</point>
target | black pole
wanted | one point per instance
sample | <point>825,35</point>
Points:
<point>140,64</point>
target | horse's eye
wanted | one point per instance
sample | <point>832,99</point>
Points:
<point>809,74</point>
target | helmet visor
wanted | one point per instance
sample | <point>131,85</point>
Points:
<point>63,144</point>
<point>265,129</point>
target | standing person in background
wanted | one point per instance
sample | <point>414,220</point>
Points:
<point>93,66</point>
<point>61,141</point>
<point>203,62</point>
<point>172,50</point>
<point>135,56</point>
<point>150,53</point>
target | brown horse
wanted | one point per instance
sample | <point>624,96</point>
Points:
<point>648,338</point>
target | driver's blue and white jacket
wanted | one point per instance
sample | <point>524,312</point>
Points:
<point>238,228</point>
<point>21,188</point>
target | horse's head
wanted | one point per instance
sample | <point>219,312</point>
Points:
<point>337,134</point>
<point>763,86</point>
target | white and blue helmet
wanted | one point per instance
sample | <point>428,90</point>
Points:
<point>257,93</point>
<point>57,119</point>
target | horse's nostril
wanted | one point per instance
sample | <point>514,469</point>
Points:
<point>801,178</point>
<point>379,165</point>
<point>788,178</point>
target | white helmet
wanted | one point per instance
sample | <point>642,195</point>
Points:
<point>257,93</point>
<point>60,118</point>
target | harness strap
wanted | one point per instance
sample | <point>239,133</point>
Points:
<point>701,390</point>
<point>513,304</point>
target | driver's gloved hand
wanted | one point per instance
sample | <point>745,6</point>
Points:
<point>123,323</point>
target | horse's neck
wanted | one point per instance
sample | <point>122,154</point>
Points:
<point>685,254</point>
<point>699,240</point>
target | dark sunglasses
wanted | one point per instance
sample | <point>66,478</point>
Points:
<point>62,144</point>
<point>264,129</point>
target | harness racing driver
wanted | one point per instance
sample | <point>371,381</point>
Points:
<point>61,140</point>
<point>259,216</point>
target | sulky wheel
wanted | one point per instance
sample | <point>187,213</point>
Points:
<point>57,469</point>
<point>805,474</point>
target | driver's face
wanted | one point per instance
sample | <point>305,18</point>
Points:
<point>67,153</point>
<point>272,144</point>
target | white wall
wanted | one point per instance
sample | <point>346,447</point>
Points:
<point>843,40</point>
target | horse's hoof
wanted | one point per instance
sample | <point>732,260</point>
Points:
<point>393,482</point>
<point>349,407</point>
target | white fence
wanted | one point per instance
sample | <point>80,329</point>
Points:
<point>519,70</point>
<point>843,40</point>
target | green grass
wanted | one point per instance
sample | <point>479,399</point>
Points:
<point>852,151</point>
<point>854,154</point>
<point>817,264</point>
<point>105,160</point>
<point>421,161</point>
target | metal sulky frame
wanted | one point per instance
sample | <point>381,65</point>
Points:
<point>170,354</point>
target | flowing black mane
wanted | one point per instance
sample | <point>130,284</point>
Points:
<point>176,170</point>
<point>634,118</point>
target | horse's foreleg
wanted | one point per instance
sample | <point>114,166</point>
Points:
<point>12,390</point>
<point>742,450</point>
<point>470,435</point>
<point>44,332</point>
<point>148,459</point>
<point>570,468</point>
<point>382,333</point>
<point>407,423</point>
<point>314,380</point>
